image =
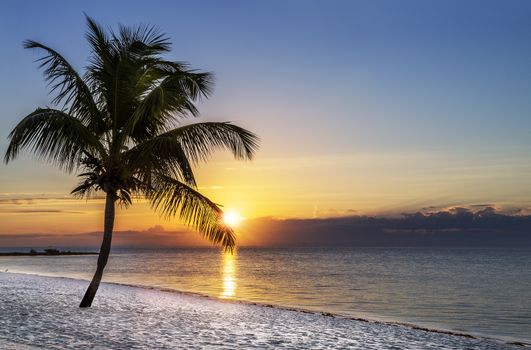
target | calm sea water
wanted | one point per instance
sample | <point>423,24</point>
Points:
<point>480,291</point>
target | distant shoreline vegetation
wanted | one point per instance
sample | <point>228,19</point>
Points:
<point>46,252</point>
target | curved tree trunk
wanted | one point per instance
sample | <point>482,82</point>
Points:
<point>104,251</point>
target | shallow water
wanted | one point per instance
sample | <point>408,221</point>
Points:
<point>480,291</point>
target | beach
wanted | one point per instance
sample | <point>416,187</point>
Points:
<point>42,311</point>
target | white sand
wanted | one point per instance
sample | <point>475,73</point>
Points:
<point>42,312</point>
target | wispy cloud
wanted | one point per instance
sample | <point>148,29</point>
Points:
<point>155,236</point>
<point>39,211</point>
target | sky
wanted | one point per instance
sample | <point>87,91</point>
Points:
<point>363,107</point>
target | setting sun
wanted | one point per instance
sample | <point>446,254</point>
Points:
<point>232,218</point>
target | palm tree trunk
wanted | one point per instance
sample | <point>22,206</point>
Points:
<point>104,251</point>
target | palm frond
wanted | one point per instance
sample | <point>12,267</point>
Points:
<point>71,88</point>
<point>98,39</point>
<point>101,71</point>
<point>199,140</point>
<point>90,180</point>
<point>161,154</point>
<point>169,197</point>
<point>171,151</point>
<point>170,98</point>
<point>85,188</point>
<point>196,84</point>
<point>54,136</point>
<point>142,40</point>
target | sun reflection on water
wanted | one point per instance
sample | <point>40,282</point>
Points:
<point>228,270</point>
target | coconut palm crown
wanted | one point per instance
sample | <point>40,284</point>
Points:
<point>120,127</point>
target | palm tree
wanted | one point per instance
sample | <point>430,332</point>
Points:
<point>120,126</point>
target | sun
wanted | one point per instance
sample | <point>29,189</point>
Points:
<point>232,218</point>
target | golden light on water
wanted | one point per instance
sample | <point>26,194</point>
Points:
<point>228,270</point>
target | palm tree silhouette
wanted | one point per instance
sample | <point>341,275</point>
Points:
<point>121,126</point>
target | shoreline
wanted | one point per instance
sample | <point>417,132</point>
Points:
<point>408,325</point>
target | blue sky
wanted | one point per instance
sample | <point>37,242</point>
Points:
<point>389,105</point>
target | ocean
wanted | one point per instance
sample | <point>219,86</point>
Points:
<point>484,292</point>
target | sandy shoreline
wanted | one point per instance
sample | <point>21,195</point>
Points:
<point>33,307</point>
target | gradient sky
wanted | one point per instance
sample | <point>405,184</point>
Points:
<point>363,107</point>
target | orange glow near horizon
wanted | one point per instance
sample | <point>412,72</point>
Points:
<point>290,187</point>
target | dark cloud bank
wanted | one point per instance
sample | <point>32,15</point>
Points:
<point>455,227</point>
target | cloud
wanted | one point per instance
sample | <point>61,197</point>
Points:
<point>466,207</point>
<point>26,204</point>
<point>482,205</point>
<point>38,211</point>
<point>457,226</point>
<point>4,236</point>
<point>156,236</point>
<point>30,200</point>
<point>213,187</point>
<point>331,212</point>
<point>155,229</point>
